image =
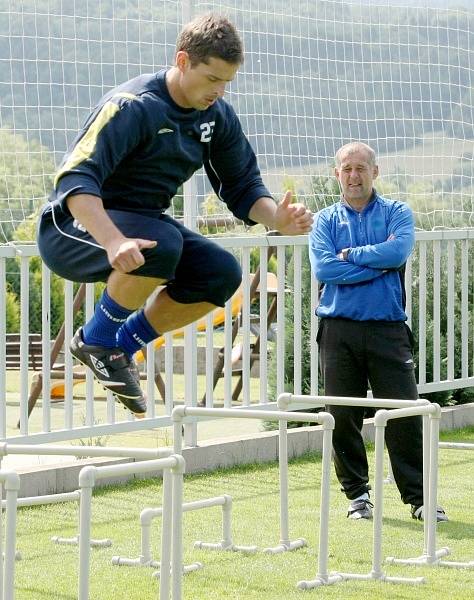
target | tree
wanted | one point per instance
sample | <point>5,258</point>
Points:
<point>449,396</point>
<point>12,308</point>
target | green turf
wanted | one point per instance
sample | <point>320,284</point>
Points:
<point>48,571</point>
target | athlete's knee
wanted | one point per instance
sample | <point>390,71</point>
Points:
<point>216,285</point>
<point>225,280</point>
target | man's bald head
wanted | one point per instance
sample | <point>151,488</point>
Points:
<point>353,148</point>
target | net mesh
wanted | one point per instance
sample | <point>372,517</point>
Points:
<point>317,74</point>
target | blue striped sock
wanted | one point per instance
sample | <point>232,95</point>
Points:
<point>108,317</point>
<point>135,333</point>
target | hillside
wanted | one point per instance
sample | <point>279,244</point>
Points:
<point>316,75</point>
<point>311,78</point>
<point>462,4</point>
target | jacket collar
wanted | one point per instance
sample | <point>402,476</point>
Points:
<point>373,198</point>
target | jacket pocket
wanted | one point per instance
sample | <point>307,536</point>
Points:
<point>411,338</point>
<point>319,333</point>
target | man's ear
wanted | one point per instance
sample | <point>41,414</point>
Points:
<point>182,60</point>
<point>336,172</point>
<point>376,171</point>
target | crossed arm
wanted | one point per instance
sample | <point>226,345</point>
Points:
<point>362,263</point>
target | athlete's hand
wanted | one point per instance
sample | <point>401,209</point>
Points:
<point>292,219</point>
<point>125,254</point>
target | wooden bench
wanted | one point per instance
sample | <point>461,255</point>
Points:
<point>13,352</point>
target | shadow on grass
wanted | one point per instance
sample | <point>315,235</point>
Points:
<point>37,593</point>
<point>455,530</point>
<point>406,523</point>
<point>458,530</point>
<point>459,462</point>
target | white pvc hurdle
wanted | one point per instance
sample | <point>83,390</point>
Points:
<point>442,445</point>
<point>148,514</point>
<point>456,445</point>
<point>11,483</point>
<point>78,452</point>
<point>56,499</point>
<point>172,517</point>
<point>380,421</point>
<point>191,414</point>
<point>430,556</point>
<point>147,455</point>
<point>287,401</point>
<point>226,543</point>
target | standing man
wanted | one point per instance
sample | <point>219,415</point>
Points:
<point>358,250</point>
<point>105,220</point>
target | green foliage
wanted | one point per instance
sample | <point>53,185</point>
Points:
<point>324,191</point>
<point>177,204</point>
<point>447,397</point>
<point>290,331</point>
<point>255,261</point>
<point>26,170</point>
<point>24,233</point>
<point>25,179</point>
<point>462,176</point>
<point>12,307</point>
<point>306,340</point>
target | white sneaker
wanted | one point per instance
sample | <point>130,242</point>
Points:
<point>361,508</point>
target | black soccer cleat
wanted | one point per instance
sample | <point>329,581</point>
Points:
<point>114,370</point>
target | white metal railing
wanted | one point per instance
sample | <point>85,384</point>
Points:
<point>439,305</point>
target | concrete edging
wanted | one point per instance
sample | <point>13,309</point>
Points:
<point>210,455</point>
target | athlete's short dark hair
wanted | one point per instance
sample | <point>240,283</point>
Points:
<point>211,36</point>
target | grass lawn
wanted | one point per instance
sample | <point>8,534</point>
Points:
<point>48,571</point>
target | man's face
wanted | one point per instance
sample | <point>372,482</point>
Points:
<point>201,85</point>
<point>356,174</point>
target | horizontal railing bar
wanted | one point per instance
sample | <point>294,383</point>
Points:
<point>445,234</point>
<point>89,451</point>
<point>250,241</point>
<point>457,445</point>
<point>452,384</point>
<point>62,435</point>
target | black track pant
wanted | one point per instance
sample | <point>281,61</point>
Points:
<point>352,355</point>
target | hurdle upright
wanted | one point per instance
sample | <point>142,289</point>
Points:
<point>11,482</point>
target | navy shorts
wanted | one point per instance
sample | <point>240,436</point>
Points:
<point>195,268</point>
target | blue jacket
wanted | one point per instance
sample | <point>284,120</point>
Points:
<point>138,147</point>
<point>368,285</point>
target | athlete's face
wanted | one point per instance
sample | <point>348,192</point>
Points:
<point>202,84</point>
<point>356,174</point>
